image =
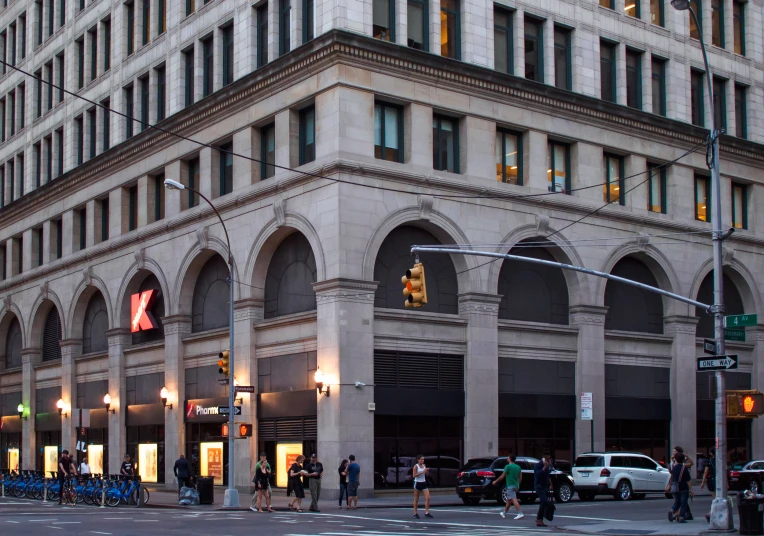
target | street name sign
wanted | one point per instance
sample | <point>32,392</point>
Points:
<point>710,346</point>
<point>717,362</point>
<point>739,321</point>
<point>224,410</point>
<point>734,335</point>
<point>244,388</point>
<point>222,381</point>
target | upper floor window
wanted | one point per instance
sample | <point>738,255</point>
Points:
<point>563,73</point>
<point>132,220</point>
<point>23,36</point>
<point>193,181</point>
<point>509,157</point>
<point>659,86</point>
<point>228,73</point>
<point>697,99</point>
<point>610,4</point>
<point>93,38</point>
<point>503,41</point>
<point>285,10</point>
<point>614,184</point>
<point>717,23</point>
<point>720,102</point>
<point>450,31</point>
<point>558,167</point>
<point>534,49</point>
<point>384,20</point>
<point>162,17</point>
<point>656,188</point>
<point>388,132</point>
<point>144,89</point>
<point>632,8</point>
<point>418,24</point>
<point>161,93</point>
<point>739,206</point>
<point>267,151</point>
<point>106,45</point>
<point>80,45</point>
<point>607,71</point>
<point>188,69</point>
<point>741,112</point>
<point>129,107</point>
<point>445,144</point>
<point>656,12</point>
<point>307,135</point>
<point>207,67</point>
<point>130,30</point>
<point>738,26</point>
<point>308,12</point>
<point>634,79</point>
<point>262,35</point>
<point>226,169</point>
<point>146,22</point>
<point>702,198</point>
<point>696,29</point>
<point>190,6</point>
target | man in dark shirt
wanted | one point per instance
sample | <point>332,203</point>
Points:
<point>182,471</point>
<point>64,468</point>
<point>541,484</point>
<point>126,470</point>
<point>315,471</point>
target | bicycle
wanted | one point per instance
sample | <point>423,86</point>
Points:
<point>69,490</point>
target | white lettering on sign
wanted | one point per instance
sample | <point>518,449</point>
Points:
<point>201,410</point>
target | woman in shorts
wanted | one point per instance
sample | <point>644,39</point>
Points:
<point>420,486</point>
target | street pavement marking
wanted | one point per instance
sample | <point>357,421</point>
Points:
<point>96,532</point>
<point>41,520</point>
<point>51,527</point>
<point>67,522</point>
<point>145,520</point>
<point>433,523</point>
<point>493,513</point>
<point>17,522</point>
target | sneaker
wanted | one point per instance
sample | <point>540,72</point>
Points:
<point>416,516</point>
<point>502,514</point>
<point>671,516</point>
<point>253,508</point>
<point>428,515</point>
<point>520,516</point>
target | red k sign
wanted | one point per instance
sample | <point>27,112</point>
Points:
<point>140,311</point>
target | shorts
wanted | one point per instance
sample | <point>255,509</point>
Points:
<point>353,489</point>
<point>420,486</point>
<point>511,492</point>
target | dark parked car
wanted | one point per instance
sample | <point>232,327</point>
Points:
<point>749,475</point>
<point>474,481</point>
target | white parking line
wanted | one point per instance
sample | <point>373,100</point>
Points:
<point>96,532</point>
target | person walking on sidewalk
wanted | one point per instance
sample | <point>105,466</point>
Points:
<point>296,473</point>
<point>353,473</point>
<point>420,472</point>
<point>262,485</point>
<point>343,482</point>
<point>541,485</point>
<point>679,485</point>
<point>709,478</point>
<point>182,470</point>
<point>688,463</point>
<point>84,467</point>
<point>315,471</point>
<point>513,475</point>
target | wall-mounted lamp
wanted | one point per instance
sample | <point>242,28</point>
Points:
<point>20,409</point>
<point>320,387</point>
<point>107,403</point>
<point>164,394</point>
<point>60,406</point>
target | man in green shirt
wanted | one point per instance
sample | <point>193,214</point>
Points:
<point>513,475</point>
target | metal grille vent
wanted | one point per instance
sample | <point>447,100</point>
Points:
<point>51,349</point>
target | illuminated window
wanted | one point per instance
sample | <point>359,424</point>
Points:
<point>656,12</point>
<point>702,198</point>
<point>656,191</point>
<point>614,184</point>
<point>632,8</point>
<point>558,167</point>
<point>450,45</point>
<point>509,157</point>
<point>717,23</point>
<point>698,9</point>
<point>384,20</point>
<point>739,206</point>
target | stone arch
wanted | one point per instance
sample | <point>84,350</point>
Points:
<point>42,306</point>
<point>394,258</point>
<point>290,277</point>
<point>133,279</point>
<point>12,338</point>
<point>210,300</point>
<point>445,230</point>
<point>740,275</point>
<point>265,246</point>
<point>95,324</point>
<point>560,249</point>
<point>631,308</point>
<point>193,262</point>
<point>82,295</point>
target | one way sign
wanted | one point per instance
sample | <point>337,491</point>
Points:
<point>717,362</point>
<point>224,410</point>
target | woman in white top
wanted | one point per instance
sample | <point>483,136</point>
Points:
<point>84,467</point>
<point>420,473</point>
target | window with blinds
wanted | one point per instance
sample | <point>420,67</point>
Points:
<point>51,335</point>
<point>419,371</point>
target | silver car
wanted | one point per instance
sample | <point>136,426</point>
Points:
<point>624,475</point>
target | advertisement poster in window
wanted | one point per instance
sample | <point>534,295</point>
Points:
<point>51,459</point>
<point>147,462</point>
<point>212,461</point>
<point>95,459</point>
<point>286,455</point>
<point>13,459</point>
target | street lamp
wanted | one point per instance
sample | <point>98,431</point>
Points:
<point>231,499</point>
<point>721,509</point>
<point>20,409</point>
<point>107,403</point>
<point>164,394</point>
<point>60,406</point>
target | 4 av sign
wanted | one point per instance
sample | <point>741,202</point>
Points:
<point>717,362</point>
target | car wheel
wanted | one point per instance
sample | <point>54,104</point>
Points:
<point>623,491</point>
<point>639,496</point>
<point>753,485</point>
<point>585,496</point>
<point>471,501</point>
<point>564,493</point>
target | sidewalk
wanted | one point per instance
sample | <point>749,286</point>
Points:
<point>643,528</point>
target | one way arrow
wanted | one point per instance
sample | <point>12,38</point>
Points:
<point>717,362</point>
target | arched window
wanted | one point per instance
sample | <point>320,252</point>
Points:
<point>291,274</point>
<point>157,310</point>
<point>51,335</point>
<point>733,303</point>
<point>394,258</point>
<point>210,308</point>
<point>632,308</point>
<point>13,345</point>
<point>533,292</point>
<point>95,325</point>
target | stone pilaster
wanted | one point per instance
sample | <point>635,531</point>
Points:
<point>29,358</point>
<point>70,350</point>
<point>481,373</point>
<point>175,328</point>
<point>756,336</point>
<point>345,343</point>
<point>246,313</point>
<point>683,386</point>
<point>590,373</point>
<point>119,339</point>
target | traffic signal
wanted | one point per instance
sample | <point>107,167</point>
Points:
<point>415,289</point>
<point>224,362</point>
<point>224,430</point>
<point>744,404</point>
<point>245,430</point>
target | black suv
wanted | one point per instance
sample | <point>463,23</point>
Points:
<point>475,481</point>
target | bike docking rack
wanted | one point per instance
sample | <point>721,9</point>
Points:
<point>139,502</point>
<point>45,491</point>
<point>103,491</point>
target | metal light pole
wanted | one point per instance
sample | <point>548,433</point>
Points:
<point>721,510</point>
<point>231,499</point>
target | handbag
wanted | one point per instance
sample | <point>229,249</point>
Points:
<point>675,485</point>
<point>549,512</point>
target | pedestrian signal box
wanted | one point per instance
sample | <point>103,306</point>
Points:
<point>744,404</point>
<point>245,430</point>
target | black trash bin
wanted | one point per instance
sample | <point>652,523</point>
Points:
<point>751,516</point>
<point>204,485</point>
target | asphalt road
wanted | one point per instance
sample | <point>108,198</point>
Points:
<point>32,518</point>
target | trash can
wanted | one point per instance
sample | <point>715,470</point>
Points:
<point>204,485</point>
<point>751,516</point>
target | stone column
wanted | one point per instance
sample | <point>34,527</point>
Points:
<point>536,160</point>
<point>683,397</point>
<point>345,343</point>
<point>756,336</point>
<point>477,156</point>
<point>590,373</point>
<point>118,339</point>
<point>70,350</point>
<point>481,373</point>
<point>175,328</point>
<point>245,143</point>
<point>29,358</point>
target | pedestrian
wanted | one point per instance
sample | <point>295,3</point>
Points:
<point>353,473</point>
<point>64,465</point>
<point>679,486</point>
<point>687,463</point>
<point>182,470</point>
<point>84,467</point>
<point>541,485</point>
<point>709,478</point>
<point>262,485</point>
<point>513,474</point>
<point>314,472</point>
<point>296,472</point>
<point>343,482</point>
<point>420,473</point>
<point>127,469</point>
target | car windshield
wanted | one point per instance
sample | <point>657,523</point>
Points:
<point>589,461</point>
<point>477,463</point>
<point>738,466</point>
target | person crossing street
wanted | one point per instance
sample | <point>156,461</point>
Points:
<point>513,474</point>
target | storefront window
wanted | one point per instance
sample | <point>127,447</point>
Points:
<point>738,439</point>
<point>283,440</point>
<point>207,450</point>
<point>10,445</point>
<point>48,444</point>
<point>97,449</point>
<point>145,445</point>
<point>649,437</point>
<point>533,437</point>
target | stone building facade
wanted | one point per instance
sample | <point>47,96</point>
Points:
<point>331,138</point>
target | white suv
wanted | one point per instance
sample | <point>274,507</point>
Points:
<point>624,475</point>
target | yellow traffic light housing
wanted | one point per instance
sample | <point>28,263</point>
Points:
<point>415,290</point>
<point>224,429</point>
<point>224,362</point>
<point>744,404</point>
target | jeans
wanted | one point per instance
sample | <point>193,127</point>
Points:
<point>343,492</point>
<point>680,503</point>
<point>541,491</point>
<point>182,481</point>
<point>315,493</point>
